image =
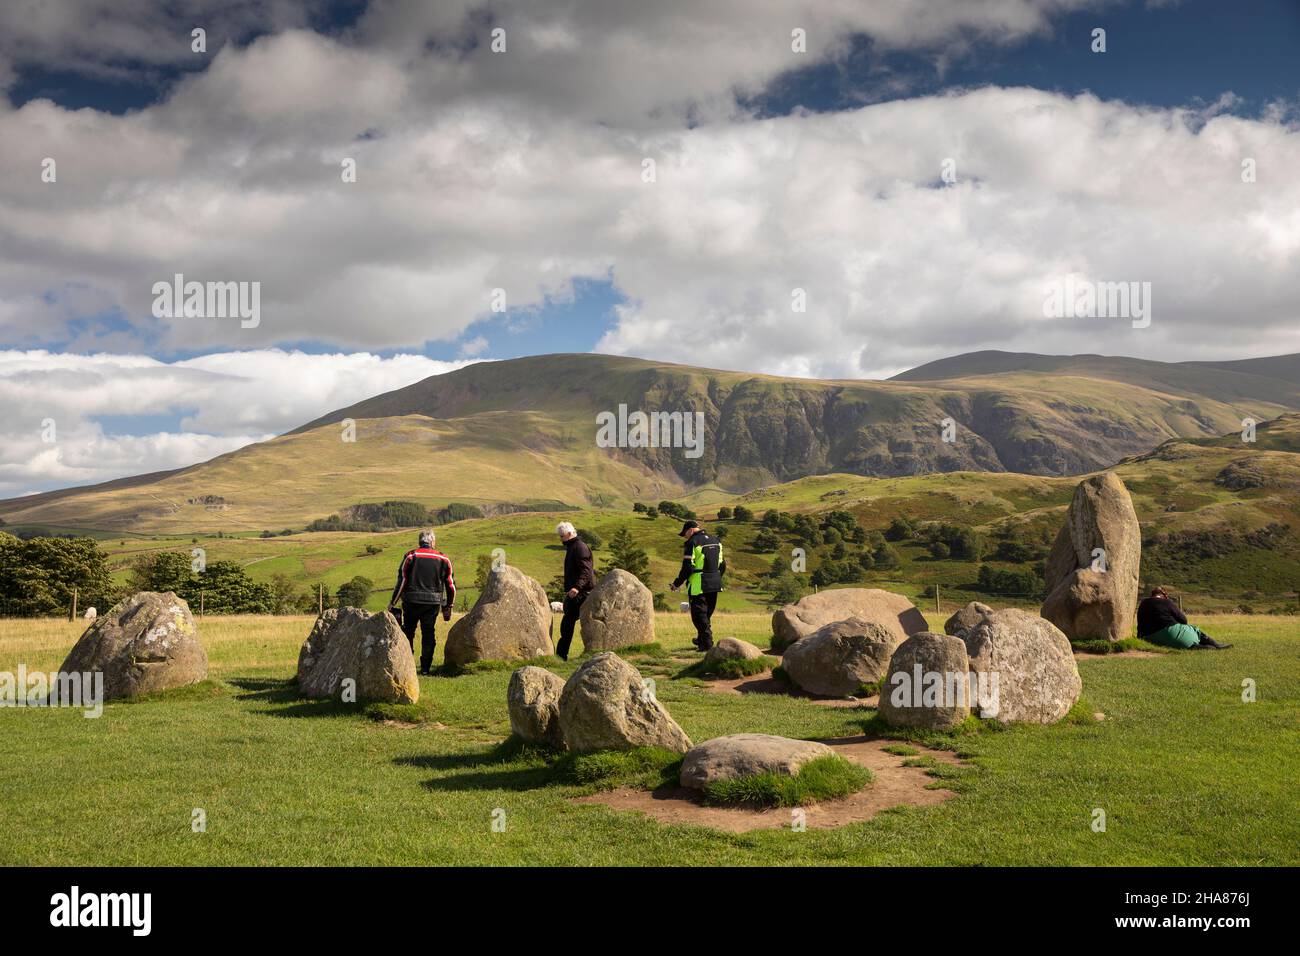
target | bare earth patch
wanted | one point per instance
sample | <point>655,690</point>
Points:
<point>765,683</point>
<point>894,785</point>
<point>1122,655</point>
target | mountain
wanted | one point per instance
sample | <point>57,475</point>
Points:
<point>1274,380</point>
<point>509,433</point>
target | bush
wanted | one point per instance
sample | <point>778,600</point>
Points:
<point>741,513</point>
<point>356,592</point>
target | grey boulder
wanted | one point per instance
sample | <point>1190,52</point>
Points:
<point>744,755</point>
<point>145,643</point>
<point>606,705</point>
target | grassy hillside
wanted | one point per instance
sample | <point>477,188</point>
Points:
<point>1220,524</point>
<point>523,430</point>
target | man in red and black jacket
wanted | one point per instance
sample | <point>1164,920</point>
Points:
<point>426,585</point>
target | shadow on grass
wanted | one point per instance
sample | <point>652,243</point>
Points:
<point>510,765</point>
<point>285,692</point>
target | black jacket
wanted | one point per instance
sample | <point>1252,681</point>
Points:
<point>578,572</point>
<point>1156,614</point>
<point>702,564</point>
<point>425,577</point>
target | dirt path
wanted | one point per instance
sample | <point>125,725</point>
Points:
<point>765,683</point>
<point>894,785</point>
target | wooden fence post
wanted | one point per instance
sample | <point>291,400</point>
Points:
<point>72,615</point>
<point>320,599</point>
<point>937,609</point>
<point>202,596</point>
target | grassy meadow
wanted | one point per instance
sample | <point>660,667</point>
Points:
<point>1186,772</point>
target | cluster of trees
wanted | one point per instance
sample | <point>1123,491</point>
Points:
<point>1011,582</point>
<point>941,539</point>
<point>221,587</point>
<point>38,575</point>
<point>844,550</point>
<point>392,515</point>
<point>670,509</point>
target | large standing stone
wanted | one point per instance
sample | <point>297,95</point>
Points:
<point>744,755</point>
<point>814,611</point>
<point>619,612</point>
<point>511,620</point>
<point>147,642</point>
<point>969,616</point>
<point>370,650</point>
<point>1084,601</point>
<point>927,683</point>
<point>534,701</point>
<point>1037,679</point>
<point>839,658</point>
<point>606,706</point>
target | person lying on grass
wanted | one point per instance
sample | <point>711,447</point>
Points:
<point>1162,622</point>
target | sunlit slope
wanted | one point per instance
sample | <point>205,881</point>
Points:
<point>525,430</point>
<point>491,459</point>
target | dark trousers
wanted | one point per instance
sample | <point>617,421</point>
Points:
<point>702,606</point>
<point>572,609</point>
<point>426,615</point>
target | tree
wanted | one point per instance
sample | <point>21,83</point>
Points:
<point>37,576</point>
<point>590,537</point>
<point>285,598</point>
<point>482,568</point>
<point>741,513</point>
<point>766,541</point>
<point>885,557</point>
<point>787,588</point>
<point>638,508</point>
<point>624,553</point>
<point>652,512</point>
<point>900,529</point>
<point>356,592</point>
<point>724,513</point>
<point>161,571</point>
<point>720,532</point>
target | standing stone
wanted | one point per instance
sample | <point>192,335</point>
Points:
<point>358,657</point>
<point>619,612</point>
<point>745,755</point>
<point>511,620</point>
<point>838,659</point>
<point>1037,679</point>
<point>969,616</point>
<point>814,611</point>
<point>607,706</point>
<point>1088,604</point>
<point>534,701</point>
<point>927,683</point>
<point>145,643</point>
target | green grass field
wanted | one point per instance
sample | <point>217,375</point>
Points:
<point>1186,772</point>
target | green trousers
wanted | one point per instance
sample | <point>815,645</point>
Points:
<point>1176,635</point>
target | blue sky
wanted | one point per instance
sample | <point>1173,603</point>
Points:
<point>777,171</point>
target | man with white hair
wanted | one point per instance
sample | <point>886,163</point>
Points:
<point>579,579</point>
<point>426,584</point>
